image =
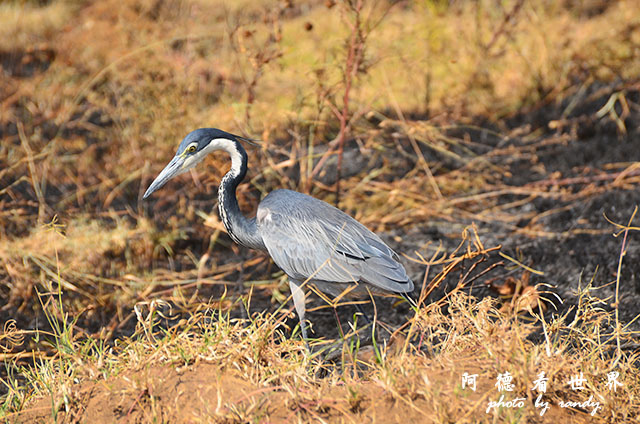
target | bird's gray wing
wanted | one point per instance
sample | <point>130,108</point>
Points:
<point>308,238</point>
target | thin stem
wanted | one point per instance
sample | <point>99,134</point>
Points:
<point>623,252</point>
<point>354,57</point>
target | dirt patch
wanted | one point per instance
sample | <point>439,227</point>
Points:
<point>203,392</point>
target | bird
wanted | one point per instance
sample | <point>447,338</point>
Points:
<point>307,238</point>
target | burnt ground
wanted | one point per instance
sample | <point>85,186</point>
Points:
<point>560,231</point>
<point>565,172</point>
<point>560,176</point>
<point>542,183</point>
<point>563,169</point>
<point>583,173</point>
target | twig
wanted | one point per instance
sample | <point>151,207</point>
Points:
<point>354,58</point>
<point>503,25</point>
<point>623,252</point>
<point>586,180</point>
<point>421,159</point>
<point>32,173</point>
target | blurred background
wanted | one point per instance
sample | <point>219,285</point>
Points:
<point>518,116</point>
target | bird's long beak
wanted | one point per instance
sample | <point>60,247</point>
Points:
<point>172,169</point>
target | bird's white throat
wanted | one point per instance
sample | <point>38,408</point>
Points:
<point>229,147</point>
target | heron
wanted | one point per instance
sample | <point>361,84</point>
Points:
<point>307,238</point>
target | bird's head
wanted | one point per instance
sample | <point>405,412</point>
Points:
<point>193,148</point>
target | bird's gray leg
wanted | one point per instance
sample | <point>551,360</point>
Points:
<point>298,301</point>
<point>239,286</point>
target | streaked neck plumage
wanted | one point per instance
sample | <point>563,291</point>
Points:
<point>241,229</point>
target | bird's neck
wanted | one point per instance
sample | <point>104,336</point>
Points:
<point>241,229</point>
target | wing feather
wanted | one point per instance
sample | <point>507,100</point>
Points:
<point>307,237</point>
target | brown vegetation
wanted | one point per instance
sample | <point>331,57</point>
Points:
<point>493,144</point>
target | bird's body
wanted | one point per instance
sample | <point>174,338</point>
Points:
<point>310,240</point>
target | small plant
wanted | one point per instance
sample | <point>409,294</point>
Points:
<point>256,48</point>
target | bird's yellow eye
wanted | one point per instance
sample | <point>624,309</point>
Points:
<point>191,149</point>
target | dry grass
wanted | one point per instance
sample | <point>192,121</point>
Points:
<point>26,23</point>
<point>256,372</point>
<point>442,108</point>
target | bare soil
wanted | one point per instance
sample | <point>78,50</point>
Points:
<point>203,392</point>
